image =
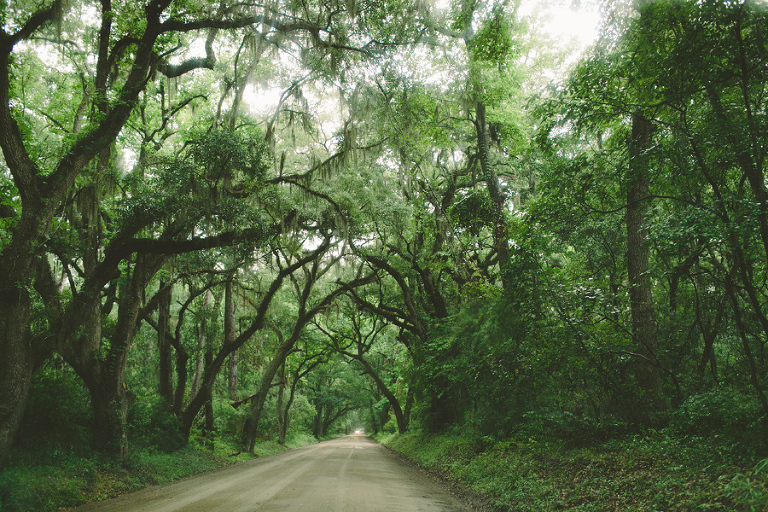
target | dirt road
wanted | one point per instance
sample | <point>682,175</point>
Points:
<point>348,474</point>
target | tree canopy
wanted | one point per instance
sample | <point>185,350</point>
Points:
<point>245,220</point>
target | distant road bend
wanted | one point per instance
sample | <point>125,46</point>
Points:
<point>351,473</point>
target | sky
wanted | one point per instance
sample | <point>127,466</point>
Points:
<point>578,21</point>
<point>571,24</point>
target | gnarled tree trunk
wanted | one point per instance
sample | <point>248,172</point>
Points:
<point>15,364</point>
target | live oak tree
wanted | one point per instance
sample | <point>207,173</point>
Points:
<point>353,334</point>
<point>306,357</point>
<point>308,307</point>
<point>43,185</point>
<point>336,390</point>
<point>129,46</point>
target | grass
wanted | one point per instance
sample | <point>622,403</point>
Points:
<point>61,481</point>
<point>650,472</point>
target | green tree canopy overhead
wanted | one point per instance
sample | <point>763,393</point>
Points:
<point>100,60</point>
<point>392,206</point>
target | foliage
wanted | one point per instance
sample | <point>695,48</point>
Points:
<point>69,480</point>
<point>153,426</point>
<point>57,419</point>
<point>400,242</point>
<point>539,471</point>
<point>730,415</point>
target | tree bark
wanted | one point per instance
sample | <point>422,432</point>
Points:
<point>163,343</point>
<point>280,417</point>
<point>287,410</point>
<point>400,418</point>
<point>15,366</point>
<point>109,399</point>
<point>208,405</point>
<point>500,234</point>
<point>257,403</point>
<point>201,328</point>
<point>104,374</point>
<point>642,309</point>
<point>318,429</point>
<point>230,333</point>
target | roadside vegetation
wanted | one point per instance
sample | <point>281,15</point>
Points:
<point>52,466</point>
<point>52,482</point>
<point>561,465</point>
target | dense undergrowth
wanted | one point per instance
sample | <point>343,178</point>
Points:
<point>542,469</point>
<point>59,481</point>
<point>52,465</point>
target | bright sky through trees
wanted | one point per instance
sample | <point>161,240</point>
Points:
<point>572,23</point>
<point>569,25</point>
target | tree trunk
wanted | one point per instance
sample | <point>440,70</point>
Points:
<point>257,403</point>
<point>201,328</point>
<point>230,333</point>
<point>181,380</point>
<point>232,376</point>
<point>207,408</point>
<point>287,411</point>
<point>500,235</point>
<point>709,332</point>
<point>280,417</point>
<point>110,402</point>
<point>374,420</point>
<point>110,410</point>
<point>402,422</point>
<point>103,370</point>
<point>383,416</point>
<point>638,256</point>
<point>327,420</point>
<point>318,430</point>
<point>163,343</point>
<point>410,398</point>
<point>15,365</point>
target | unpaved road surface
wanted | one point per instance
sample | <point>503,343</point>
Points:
<point>351,473</point>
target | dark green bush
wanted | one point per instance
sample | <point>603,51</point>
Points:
<point>54,485</point>
<point>152,425</point>
<point>724,412</point>
<point>58,416</point>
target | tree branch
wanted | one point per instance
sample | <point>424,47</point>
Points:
<point>37,20</point>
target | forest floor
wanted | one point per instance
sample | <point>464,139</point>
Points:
<point>633,472</point>
<point>58,481</point>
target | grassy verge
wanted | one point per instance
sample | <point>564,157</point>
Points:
<point>629,473</point>
<point>62,481</point>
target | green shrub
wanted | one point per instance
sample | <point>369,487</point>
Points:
<point>296,438</point>
<point>152,425</point>
<point>57,418</point>
<point>228,420</point>
<point>723,413</point>
<point>46,487</point>
<point>70,481</point>
<point>639,471</point>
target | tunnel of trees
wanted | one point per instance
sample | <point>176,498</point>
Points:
<point>251,219</point>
